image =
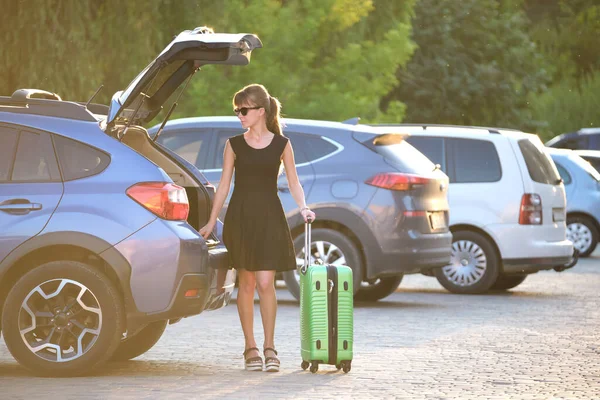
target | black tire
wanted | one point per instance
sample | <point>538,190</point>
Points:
<point>97,292</point>
<point>382,288</point>
<point>588,248</point>
<point>505,282</point>
<point>464,245</point>
<point>141,342</point>
<point>346,246</point>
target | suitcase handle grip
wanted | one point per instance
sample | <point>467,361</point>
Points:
<point>307,242</point>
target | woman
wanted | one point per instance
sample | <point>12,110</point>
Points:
<point>255,230</point>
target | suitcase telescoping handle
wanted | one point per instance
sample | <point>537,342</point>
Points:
<point>307,242</point>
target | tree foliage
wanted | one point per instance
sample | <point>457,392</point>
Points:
<point>327,59</point>
<point>474,65</point>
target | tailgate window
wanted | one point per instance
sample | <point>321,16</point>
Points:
<point>540,166</point>
<point>406,158</point>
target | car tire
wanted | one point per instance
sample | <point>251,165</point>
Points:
<point>505,282</point>
<point>379,289</point>
<point>583,233</point>
<point>474,267</point>
<point>338,244</point>
<point>139,343</point>
<point>74,297</point>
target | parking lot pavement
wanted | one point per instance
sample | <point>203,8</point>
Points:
<point>538,341</point>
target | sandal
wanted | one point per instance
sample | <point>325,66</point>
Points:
<point>252,363</point>
<point>271,363</point>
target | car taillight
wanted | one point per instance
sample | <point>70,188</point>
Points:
<point>166,200</point>
<point>531,209</point>
<point>396,181</point>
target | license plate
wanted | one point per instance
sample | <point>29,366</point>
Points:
<point>558,214</point>
<point>438,220</point>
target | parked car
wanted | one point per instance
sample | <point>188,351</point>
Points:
<point>582,184</point>
<point>99,242</point>
<point>385,219</point>
<point>507,205</point>
<point>591,156</point>
<point>583,139</point>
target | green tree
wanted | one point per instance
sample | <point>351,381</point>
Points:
<point>330,59</point>
<point>475,65</point>
<point>568,105</point>
<point>71,47</point>
<point>568,31</point>
<point>324,59</point>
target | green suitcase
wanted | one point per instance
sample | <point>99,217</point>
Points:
<point>326,313</point>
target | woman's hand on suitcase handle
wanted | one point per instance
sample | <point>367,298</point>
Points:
<point>307,214</point>
<point>206,230</point>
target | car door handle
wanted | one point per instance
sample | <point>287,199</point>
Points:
<point>283,188</point>
<point>20,208</point>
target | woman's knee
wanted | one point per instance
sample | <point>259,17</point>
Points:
<point>265,285</point>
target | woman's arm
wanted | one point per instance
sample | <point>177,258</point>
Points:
<point>222,190</point>
<point>294,183</point>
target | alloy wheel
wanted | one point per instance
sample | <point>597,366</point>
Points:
<point>580,235</point>
<point>468,263</point>
<point>60,320</point>
<point>320,251</point>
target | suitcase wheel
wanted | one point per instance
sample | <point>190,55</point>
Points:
<point>304,365</point>
<point>347,366</point>
<point>338,366</point>
<point>314,367</point>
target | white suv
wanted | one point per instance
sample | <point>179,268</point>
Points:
<point>507,205</point>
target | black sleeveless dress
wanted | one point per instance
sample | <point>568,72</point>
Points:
<point>255,231</point>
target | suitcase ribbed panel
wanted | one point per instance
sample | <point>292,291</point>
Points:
<point>314,321</point>
<point>345,315</point>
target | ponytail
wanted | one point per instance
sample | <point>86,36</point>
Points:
<point>273,116</point>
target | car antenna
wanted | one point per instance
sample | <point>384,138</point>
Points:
<point>94,95</point>
<point>159,131</point>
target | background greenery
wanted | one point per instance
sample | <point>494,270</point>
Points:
<point>527,64</point>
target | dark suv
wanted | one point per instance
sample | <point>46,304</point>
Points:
<point>381,205</point>
<point>99,242</point>
<point>583,139</point>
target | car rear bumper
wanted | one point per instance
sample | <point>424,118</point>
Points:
<point>530,242</point>
<point>415,253</point>
<point>531,265</point>
<point>174,274</point>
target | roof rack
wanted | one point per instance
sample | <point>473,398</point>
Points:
<point>41,102</point>
<point>425,126</point>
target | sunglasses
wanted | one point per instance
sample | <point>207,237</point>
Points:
<point>244,110</point>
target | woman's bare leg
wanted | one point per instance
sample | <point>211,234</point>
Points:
<point>245,306</point>
<point>265,281</point>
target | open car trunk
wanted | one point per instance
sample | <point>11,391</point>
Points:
<point>198,195</point>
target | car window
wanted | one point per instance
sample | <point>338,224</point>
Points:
<point>587,167</point>
<point>191,145</point>
<point>594,161</point>
<point>578,142</point>
<point>539,165</point>
<point>8,144</point>
<point>563,174</point>
<point>300,145</point>
<point>222,136</point>
<point>309,147</point>
<point>78,160</point>
<point>474,160</point>
<point>35,160</point>
<point>431,147</point>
